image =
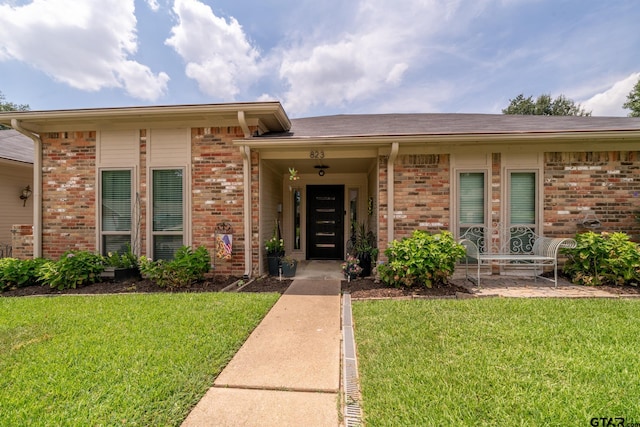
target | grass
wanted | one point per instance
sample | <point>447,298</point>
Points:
<point>498,361</point>
<point>135,360</point>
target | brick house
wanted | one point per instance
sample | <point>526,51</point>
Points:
<point>161,177</point>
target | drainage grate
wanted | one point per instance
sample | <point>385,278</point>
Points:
<point>351,387</point>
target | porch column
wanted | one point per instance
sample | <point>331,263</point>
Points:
<point>246,175</point>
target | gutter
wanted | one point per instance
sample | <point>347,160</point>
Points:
<point>37,186</point>
<point>390,190</point>
<point>245,151</point>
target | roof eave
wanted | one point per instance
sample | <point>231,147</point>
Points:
<point>460,139</point>
<point>271,114</point>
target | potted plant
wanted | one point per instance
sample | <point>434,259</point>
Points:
<point>363,247</point>
<point>289,265</point>
<point>275,250</point>
<point>351,268</point>
<point>120,266</point>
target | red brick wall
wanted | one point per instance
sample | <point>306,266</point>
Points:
<point>382,206</point>
<point>255,212</point>
<point>217,192</point>
<point>421,194</point>
<point>22,241</point>
<point>141,198</point>
<point>69,192</point>
<point>605,183</point>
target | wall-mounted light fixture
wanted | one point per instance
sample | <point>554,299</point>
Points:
<point>25,194</point>
<point>322,168</point>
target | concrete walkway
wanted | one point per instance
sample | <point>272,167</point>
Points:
<point>288,370</point>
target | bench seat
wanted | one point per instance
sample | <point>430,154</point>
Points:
<point>517,247</point>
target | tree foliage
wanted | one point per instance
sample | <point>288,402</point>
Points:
<point>10,106</point>
<point>633,101</point>
<point>545,105</point>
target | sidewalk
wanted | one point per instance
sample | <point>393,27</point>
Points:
<point>288,370</point>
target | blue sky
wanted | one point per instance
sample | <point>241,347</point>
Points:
<point>319,57</point>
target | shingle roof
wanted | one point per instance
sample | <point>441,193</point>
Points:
<point>15,146</point>
<point>450,124</point>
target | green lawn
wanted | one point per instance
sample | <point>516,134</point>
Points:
<point>140,360</point>
<point>498,361</point>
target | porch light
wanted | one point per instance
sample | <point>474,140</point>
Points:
<point>322,168</point>
<point>25,194</point>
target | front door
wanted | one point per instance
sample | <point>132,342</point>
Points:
<point>325,216</point>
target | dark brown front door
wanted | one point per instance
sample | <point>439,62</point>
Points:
<point>325,221</point>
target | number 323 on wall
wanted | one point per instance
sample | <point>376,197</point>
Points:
<point>316,154</point>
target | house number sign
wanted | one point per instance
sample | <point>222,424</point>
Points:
<point>316,154</point>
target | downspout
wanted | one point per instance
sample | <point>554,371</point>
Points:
<point>390,190</point>
<point>245,151</point>
<point>37,186</point>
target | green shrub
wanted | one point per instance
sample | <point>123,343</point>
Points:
<point>18,273</point>
<point>73,269</point>
<point>187,267</point>
<point>603,259</point>
<point>422,259</point>
<point>126,259</point>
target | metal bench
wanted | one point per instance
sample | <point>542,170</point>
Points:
<point>516,247</point>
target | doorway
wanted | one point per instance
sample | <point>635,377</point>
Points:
<point>325,221</point>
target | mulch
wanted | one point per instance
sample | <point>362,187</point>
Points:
<point>361,288</point>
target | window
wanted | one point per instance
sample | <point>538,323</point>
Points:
<point>297,202</point>
<point>522,199</point>
<point>471,200</point>
<point>168,212</point>
<point>522,210</point>
<point>115,210</point>
<point>353,210</point>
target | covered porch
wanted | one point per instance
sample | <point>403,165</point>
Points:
<point>312,197</point>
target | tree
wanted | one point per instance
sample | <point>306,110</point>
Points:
<point>544,105</point>
<point>633,101</point>
<point>10,106</point>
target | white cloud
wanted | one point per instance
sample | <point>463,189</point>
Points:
<point>153,5</point>
<point>383,44</point>
<point>85,44</point>
<point>218,55</point>
<point>609,102</point>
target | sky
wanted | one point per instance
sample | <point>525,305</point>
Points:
<point>319,57</point>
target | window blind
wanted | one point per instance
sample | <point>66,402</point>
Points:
<point>167,200</point>
<point>168,212</point>
<point>116,200</point>
<point>472,198</point>
<point>523,198</point>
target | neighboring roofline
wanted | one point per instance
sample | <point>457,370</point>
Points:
<point>4,160</point>
<point>270,115</point>
<point>16,147</point>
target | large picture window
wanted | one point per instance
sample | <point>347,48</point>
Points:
<point>168,212</point>
<point>115,210</point>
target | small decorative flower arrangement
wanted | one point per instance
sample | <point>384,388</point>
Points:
<point>274,246</point>
<point>351,267</point>
<point>293,174</point>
